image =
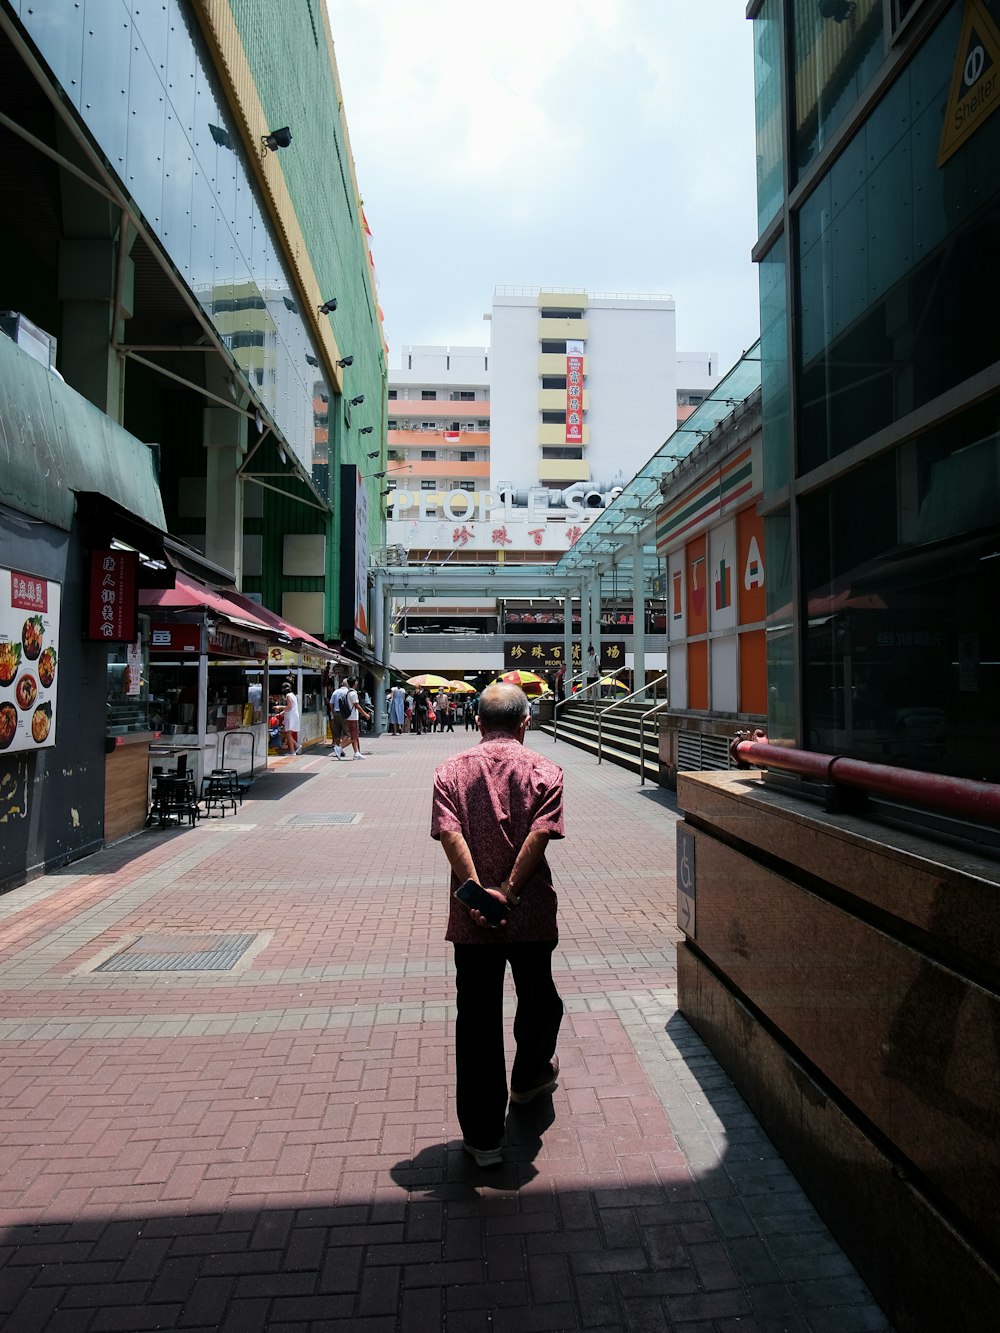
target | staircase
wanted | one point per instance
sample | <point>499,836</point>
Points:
<point>577,721</point>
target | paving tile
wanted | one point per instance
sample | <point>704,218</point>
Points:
<point>276,1148</point>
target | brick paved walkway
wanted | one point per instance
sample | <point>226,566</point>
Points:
<point>274,1146</point>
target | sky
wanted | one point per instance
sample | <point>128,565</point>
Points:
<point>606,145</point>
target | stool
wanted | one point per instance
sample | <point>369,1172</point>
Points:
<point>217,793</point>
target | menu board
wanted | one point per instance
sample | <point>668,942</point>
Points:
<point>29,660</point>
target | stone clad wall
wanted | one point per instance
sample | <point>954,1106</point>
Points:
<point>847,978</point>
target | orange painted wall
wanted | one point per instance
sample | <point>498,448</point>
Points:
<point>697,587</point>
<point>750,569</point>
<point>753,672</point>
<point>697,681</point>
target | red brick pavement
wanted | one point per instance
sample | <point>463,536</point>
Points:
<point>275,1147</point>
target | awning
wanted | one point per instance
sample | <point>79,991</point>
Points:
<point>189,595</point>
<point>53,442</point>
<point>299,639</point>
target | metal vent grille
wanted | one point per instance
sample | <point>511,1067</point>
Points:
<point>322,820</point>
<point>180,953</point>
<point>697,753</point>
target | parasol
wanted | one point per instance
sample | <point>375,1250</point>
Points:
<point>428,682</point>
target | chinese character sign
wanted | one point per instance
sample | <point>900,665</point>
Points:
<point>574,399</point>
<point>29,655</point>
<point>113,596</point>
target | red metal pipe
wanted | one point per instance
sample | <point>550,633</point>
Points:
<point>960,796</point>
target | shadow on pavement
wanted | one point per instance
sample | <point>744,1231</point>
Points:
<point>276,786</point>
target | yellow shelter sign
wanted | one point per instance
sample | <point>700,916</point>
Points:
<point>975,83</point>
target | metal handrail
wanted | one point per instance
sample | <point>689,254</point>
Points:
<point>615,703</point>
<point>642,737</point>
<point>570,696</point>
<point>567,695</point>
<point>574,698</point>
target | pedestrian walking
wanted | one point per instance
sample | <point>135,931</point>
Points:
<point>358,711</point>
<point>397,709</point>
<point>290,719</point>
<point>340,711</point>
<point>495,808</point>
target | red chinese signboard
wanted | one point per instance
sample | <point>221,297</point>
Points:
<point>574,400</point>
<point>174,638</point>
<point>113,596</point>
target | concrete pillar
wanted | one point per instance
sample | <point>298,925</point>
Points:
<point>584,626</point>
<point>638,614</point>
<point>95,286</point>
<point>380,670</point>
<point>88,280</point>
<point>224,435</point>
<point>595,613</point>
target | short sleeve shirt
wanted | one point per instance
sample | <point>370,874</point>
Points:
<point>495,795</point>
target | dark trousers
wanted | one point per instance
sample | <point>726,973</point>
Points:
<point>479,1051</point>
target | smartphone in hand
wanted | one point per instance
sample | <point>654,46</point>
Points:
<point>474,895</point>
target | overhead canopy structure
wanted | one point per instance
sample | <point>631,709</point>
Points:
<point>633,513</point>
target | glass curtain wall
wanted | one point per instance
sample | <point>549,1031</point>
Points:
<point>142,83</point>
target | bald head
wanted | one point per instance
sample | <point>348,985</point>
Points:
<point>503,708</point>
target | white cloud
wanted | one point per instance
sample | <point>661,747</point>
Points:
<point>606,145</point>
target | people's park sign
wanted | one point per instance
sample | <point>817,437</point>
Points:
<point>484,521</point>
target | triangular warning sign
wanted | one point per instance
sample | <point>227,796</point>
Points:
<point>975,82</point>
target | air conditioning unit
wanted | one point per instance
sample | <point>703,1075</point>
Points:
<point>29,337</point>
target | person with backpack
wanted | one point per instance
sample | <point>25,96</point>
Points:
<point>352,710</point>
<point>340,711</point>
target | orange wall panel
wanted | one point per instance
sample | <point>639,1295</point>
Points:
<point>750,569</point>
<point>697,682</point>
<point>696,562</point>
<point>753,672</point>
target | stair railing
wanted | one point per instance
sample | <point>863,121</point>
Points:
<point>616,703</point>
<point>657,708</point>
<point>570,697</point>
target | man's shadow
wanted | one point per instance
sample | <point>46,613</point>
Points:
<point>446,1171</point>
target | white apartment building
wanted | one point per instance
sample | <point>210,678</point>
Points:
<point>620,352</point>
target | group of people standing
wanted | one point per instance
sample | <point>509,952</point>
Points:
<point>418,710</point>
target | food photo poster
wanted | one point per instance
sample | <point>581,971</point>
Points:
<point>29,660</point>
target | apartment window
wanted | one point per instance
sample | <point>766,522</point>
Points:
<point>556,346</point>
<point>455,425</point>
<point>392,393</point>
<point>392,425</point>
<point>429,395</point>
<point>428,485</point>
<point>463,396</point>
<point>482,425</point>
<point>430,425</point>
<point>467,455</point>
<point>390,485</point>
<point>466,485</point>
<point>554,418</point>
<point>562,451</point>
<point>555,313</point>
<point>428,453</point>
<point>553,381</point>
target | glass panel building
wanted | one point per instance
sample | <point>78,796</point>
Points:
<point>880,364</point>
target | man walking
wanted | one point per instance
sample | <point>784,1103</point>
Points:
<point>495,808</point>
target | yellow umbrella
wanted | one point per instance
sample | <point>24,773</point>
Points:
<point>428,682</point>
<point>529,681</point>
<point>610,680</point>
<point>460,687</point>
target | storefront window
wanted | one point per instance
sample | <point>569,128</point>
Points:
<point>898,280</point>
<point>901,571</point>
<point>838,47</point>
<point>767,90</point>
<point>128,699</point>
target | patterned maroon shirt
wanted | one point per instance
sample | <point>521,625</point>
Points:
<point>495,795</point>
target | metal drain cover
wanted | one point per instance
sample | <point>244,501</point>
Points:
<point>330,817</point>
<point>180,953</point>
